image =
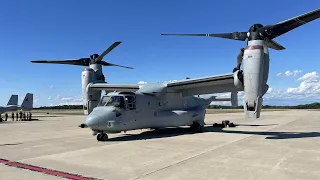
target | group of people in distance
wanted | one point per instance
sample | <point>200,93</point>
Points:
<point>22,116</point>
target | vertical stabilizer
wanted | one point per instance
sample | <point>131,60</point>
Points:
<point>27,103</point>
<point>13,101</point>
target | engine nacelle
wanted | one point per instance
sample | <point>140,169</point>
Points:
<point>238,79</point>
<point>88,76</point>
<point>255,77</point>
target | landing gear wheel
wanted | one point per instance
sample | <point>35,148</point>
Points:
<point>102,137</point>
<point>196,127</point>
<point>99,137</point>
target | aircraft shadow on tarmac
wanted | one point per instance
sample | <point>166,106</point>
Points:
<point>172,132</point>
<point>12,144</point>
<point>49,116</point>
<point>10,121</point>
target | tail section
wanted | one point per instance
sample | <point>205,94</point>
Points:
<point>27,103</point>
<point>13,101</point>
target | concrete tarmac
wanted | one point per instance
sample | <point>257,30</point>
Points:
<point>281,145</point>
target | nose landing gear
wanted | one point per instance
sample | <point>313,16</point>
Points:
<point>102,137</point>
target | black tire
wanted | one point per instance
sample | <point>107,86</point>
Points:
<point>99,137</point>
<point>199,129</point>
<point>104,137</point>
<point>196,127</point>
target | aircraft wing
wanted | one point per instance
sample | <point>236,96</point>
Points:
<point>114,87</point>
<point>205,85</point>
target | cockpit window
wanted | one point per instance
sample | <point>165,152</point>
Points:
<point>104,100</point>
<point>131,102</point>
<point>116,101</point>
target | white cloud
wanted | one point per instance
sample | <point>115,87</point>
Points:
<point>142,82</point>
<point>66,99</point>
<point>51,98</point>
<point>51,87</point>
<point>289,73</point>
<point>309,86</point>
<point>57,97</point>
<point>69,103</point>
<point>308,89</point>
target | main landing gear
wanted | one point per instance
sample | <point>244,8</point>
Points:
<point>102,137</point>
<point>196,127</point>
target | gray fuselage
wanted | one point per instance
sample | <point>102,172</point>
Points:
<point>146,111</point>
<point>8,108</point>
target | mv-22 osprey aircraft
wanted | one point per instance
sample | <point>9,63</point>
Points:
<point>171,104</point>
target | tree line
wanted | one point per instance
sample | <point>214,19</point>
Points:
<point>61,107</point>
<point>302,106</point>
<point>315,105</point>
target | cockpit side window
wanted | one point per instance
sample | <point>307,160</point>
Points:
<point>116,101</point>
<point>131,102</point>
<point>104,100</point>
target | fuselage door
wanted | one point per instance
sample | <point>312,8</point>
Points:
<point>130,114</point>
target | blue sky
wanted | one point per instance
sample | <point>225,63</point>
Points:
<point>61,29</point>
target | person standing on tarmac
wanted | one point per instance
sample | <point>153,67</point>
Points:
<point>12,116</point>
<point>6,115</point>
<point>30,116</point>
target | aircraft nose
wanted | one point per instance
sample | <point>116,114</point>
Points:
<point>93,121</point>
<point>98,118</point>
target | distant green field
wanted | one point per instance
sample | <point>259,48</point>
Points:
<point>59,111</point>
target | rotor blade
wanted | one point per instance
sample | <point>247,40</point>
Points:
<point>273,31</point>
<point>241,36</point>
<point>273,44</point>
<point>110,64</point>
<point>110,48</point>
<point>79,62</point>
